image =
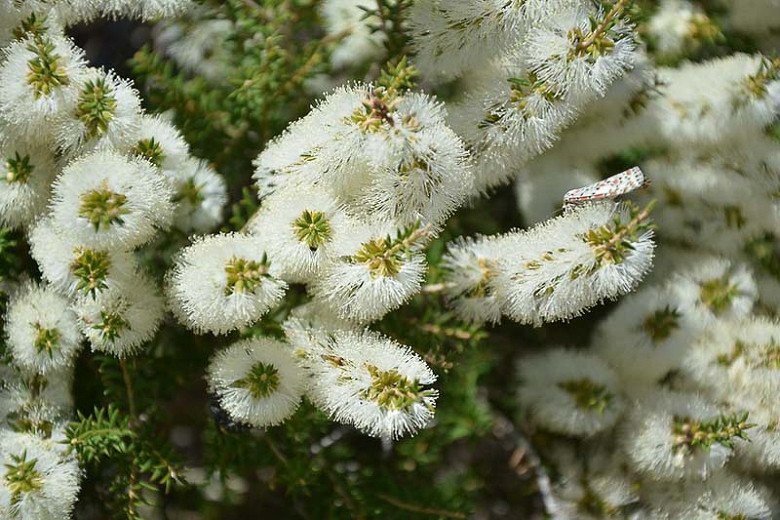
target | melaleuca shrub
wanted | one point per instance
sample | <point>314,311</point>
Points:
<point>321,259</point>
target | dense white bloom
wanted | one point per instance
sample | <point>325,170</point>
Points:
<point>105,200</point>
<point>27,172</point>
<point>35,403</point>
<point>122,318</point>
<point>381,152</point>
<point>509,117</point>
<point>308,330</point>
<point>373,383</point>
<point>200,194</point>
<point>224,282</point>
<point>143,9</point>
<point>569,392</point>
<point>716,101</point>
<point>41,330</point>
<point>300,230</point>
<point>678,26</point>
<point>451,37</point>
<point>29,95</point>
<point>358,43</point>
<point>74,268</point>
<point>469,266</point>
<point>738,358</point>
<point>197,43</point>
<point>567,53</point>
<point>600,486</point>
<point>723,496</point>
<point>36,480</point>
<point>374,272</point>
<point>106,114</point>
<point>646,337</point>
<point>160,143</point>
<point>562,267</point>
<point>257,381</point>
<point>714,288</point>
<point>712,204</point>
<point>671,436</point>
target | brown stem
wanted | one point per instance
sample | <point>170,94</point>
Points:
<point>419,509</point>
<point>630,227</point>
<point>439,330</point>
<point>602,26</point>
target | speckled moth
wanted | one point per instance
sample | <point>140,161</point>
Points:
<point>609,188</point>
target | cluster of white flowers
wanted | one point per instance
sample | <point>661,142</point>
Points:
<point>554,271</point>
<point>673,399</point>
<point>90,179</point>
<point>351,194</point>
<point>539,64</point>
<point>652,420</point>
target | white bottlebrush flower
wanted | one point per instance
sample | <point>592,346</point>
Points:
<point>36,480</point>
<point>569,51</point>
<point>37,84</point>
<point>678,26</point>
<point>223,282</point>
<point>358,43</point>
<point>147,10</point>
<point>670,436</point>
<point>308,330</point>
<point>257,381</point>
<point>200,194</point>
<point>107,115</point>
<point>646,337</point>
<point>423,177</point>
<point>450,38</point>
<point>26,174</point>
<point>198,43</point>
<point>74,268</point>
<point>509,117</point>
<point>373,383</point>
<point>300,230</point>
<point>717,101</point>
<point>714,288</point>
<point>35,403</point>
<point>41,330</point>
<point>723,496</point>
<point>569,392</point>
<point>376,150</point>
<point>374,272</point>
<point>160,143</point>
<point>712,204</point>
<point>469,266</point>
<point>122,318</point>
<point>106,200</point>
<point>562,267</point>
<point>737,359</point>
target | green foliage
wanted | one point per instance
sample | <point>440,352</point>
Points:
<point>690,434</point>
<point>141,464</point>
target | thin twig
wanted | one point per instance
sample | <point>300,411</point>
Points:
<point>522,449</point>
<point>419,509</point>
<point>128,388</point>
